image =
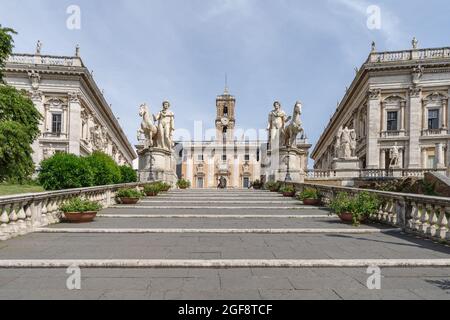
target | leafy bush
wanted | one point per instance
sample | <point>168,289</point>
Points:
<point>106,171</point>
<point>129,193</point>
<point>287,189</point>
<point>183,184</point>
<point>360,206</point>
<point>152,189</point>
<point>273,186</point>
<point>257,184</point>
<point>128,174</point>
<point>65,171</point>
<point>163,187</point>
<point>310,194</point>
<point>80,205</point>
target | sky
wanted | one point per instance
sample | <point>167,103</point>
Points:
<point>180,50</point>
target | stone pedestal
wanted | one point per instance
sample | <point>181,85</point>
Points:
<point>157,164</point>
<point>291,161</point>
<point>346,168</point>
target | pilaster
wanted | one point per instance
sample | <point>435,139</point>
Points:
<point>374,129</point>
<point>74,129</point>
<point>415,128</point>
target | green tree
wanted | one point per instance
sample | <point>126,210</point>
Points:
<point>106,171</point>
<point>19,122</point>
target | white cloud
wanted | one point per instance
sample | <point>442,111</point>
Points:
<point>390,22</point>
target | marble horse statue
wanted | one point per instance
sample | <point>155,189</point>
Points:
<point>294,128</point>
<point>148,128</point>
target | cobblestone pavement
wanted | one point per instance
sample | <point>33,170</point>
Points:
<point>330,240</point>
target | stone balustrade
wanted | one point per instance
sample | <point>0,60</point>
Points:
<point>406,55</point>
<point>21,214</point>
<point>374,173</point>
<point>422,215</point>
<point>45,60</point>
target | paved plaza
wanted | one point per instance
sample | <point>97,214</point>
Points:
<point>206,244</point>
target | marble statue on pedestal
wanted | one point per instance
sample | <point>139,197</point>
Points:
<point>395,156</point>
<point>156,155</point>
<point>290,133</point>
<point>277,122</point>
<point>345,145</point>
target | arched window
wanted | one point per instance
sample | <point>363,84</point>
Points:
<point>225,111</point>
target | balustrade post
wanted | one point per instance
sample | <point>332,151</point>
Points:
<point>425,226</point>
<point>44,213</point>
<point>434,220</point>
<point>29,214</point>
<point>21,216</point>
<point>36,213</point>
<point>13,219</point>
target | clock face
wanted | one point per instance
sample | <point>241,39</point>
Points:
<point>225,121</point>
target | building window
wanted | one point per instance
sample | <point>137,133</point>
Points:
<point>224,157</point>
<point>431,163</point>
<point>392,121</point>
<point>200,157</point>
<point>433,119</point>
<point>225,111</point>
<point>247,157</point>
<point>56,123</point>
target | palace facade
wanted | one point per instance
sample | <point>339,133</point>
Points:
<point>398,107</point>
<point>77,118</point>
<point>205,162</point>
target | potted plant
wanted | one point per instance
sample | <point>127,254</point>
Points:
<point>310,197</point>
<point>183,184</point>
<point>288,191</point>
<point>355,209</point>
<point>78,210</point>
<point>257,185</point>
<point>165,187</point>
<point>152,190</point>
<point>129,196</point>
<point>272,186</point>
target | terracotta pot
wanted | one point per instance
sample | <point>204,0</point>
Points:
<point>129,200</point>
<point>288,194</point>
<point>346,217</point>
<point>311,202</point>
<point>80,217</point>
<point>152,194</point>
<point>257,187</point>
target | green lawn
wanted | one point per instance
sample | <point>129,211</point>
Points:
<point>11,189</point>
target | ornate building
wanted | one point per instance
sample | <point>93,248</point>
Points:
<point>205,162</point>
<point>77,118</point>
<point>397,106</point>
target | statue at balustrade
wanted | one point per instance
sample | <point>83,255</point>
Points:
<point>166,126</point>
<point>345,145</point>
<point>394,156</point>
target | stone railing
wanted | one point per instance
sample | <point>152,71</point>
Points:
<point>423,215</point>
<point>320,174</point>
<point>45,60</point>
<point>406,55</point>
<point>434,132</point>
<point>373,173</point>
<point>21,214</point>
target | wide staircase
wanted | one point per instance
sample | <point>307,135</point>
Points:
<point>214,244</point>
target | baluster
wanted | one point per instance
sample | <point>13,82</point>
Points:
<point>13,218</point>
<point>29,214</point>
<point>44,213</point>
<point>393,215</point>
<point>420,214</point>
<point>442,224</point>
<point>411,223</point>
<point>424,228</point>
<point>4,219</point>
<point>50,209</point>
<point>434,219</point>
<point>21,219</point>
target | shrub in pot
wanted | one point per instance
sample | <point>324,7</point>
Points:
<point>78,210</point>
<point>183,184</point>
<point>310,197</point>
<point>355,209</point>
<point>272,186</point>
<point>129,196</point>
<point>163,187</point>
<point>152,190</point>
<point>257,185</point>
<point>288,191</point>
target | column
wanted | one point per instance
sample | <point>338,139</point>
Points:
<point>424,158</point>
<point>440,158</point>
<point>415,120</point>
<point>37,98</point>
<point>211,164</point>
<point>374,128</point>
<point>382,159</point>
<point>74,124</point>
<point>444,113</point>
<point>402,115</point>
<point>236,171</point>
<point>189,168</point>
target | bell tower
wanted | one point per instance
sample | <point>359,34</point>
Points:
<point>225,120</point>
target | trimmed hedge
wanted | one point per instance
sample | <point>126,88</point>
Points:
<point>106,171</point>
<point>128,174</point>
<point>65,171</point>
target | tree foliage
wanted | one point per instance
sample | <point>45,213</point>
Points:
<point>19,122</point>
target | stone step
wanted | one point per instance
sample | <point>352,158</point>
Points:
<point>217,208</point>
